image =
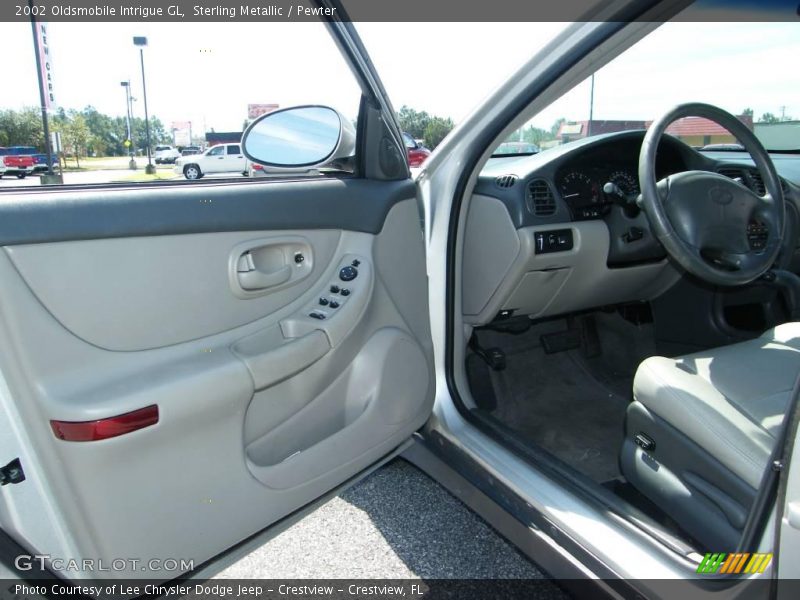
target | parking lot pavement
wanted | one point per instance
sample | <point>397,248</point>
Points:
<point>396,523</point>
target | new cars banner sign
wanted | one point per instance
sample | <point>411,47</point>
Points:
<point>41,38</point>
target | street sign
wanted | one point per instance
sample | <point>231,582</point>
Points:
<point>256,110</point>
<point>55,142</point>
<point>127,143</point>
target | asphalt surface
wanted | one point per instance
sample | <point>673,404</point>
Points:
<point>396,523</point>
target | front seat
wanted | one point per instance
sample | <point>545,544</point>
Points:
<point>701,429</point>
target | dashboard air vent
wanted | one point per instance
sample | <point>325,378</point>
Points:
<point>540,198</point>
<point>732,173</point>
<point>505,181</point>
<point>757,183</point>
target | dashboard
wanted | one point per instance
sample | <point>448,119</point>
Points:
<point>591,182</point>
<point>560,231</point>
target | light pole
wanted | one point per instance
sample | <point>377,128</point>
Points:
<point>128,121</point>
<point>141,41</point>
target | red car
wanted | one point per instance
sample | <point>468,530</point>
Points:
<point>15,164</point>
<point>417,153</point>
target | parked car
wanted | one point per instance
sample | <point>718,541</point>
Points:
<point>224,158</point>
<point>39,158</point>
<point>166,155</point>
<point>191,150</point>
<point>20,165</point>
<point>417,153</point>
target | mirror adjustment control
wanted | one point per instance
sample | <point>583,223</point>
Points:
<point>323,302</point>
<point>348,273</point>
<point>334,304</point>
<point>334,289</point>
<point>345,292</point>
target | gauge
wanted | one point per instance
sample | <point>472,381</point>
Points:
<point>578,189</point>
<point>625,181</point>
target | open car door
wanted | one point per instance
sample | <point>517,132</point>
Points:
<point>165,388</point>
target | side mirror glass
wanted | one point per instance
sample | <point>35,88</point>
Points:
<point>301,136</point>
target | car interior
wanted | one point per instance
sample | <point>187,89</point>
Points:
<point>622,337</point>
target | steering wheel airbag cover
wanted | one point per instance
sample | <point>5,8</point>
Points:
<point>698,214</point>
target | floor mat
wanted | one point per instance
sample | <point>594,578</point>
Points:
<point>572,406</point>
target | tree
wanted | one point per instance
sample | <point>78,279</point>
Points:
<point>76,136</point>
<point>768,117</point>
<point>21,127</point>
<point>556,126</point>
<point>747,112</point>
<point>436,130</point>
<point>412,122</point>
<point>530,135</point>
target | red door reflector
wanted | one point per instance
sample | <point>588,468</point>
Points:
<point>89,431</point>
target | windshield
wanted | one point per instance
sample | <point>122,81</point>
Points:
<point>740,67</point>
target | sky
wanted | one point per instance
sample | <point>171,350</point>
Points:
<point>207,73</point>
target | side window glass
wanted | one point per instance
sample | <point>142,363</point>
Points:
<point>204,83</point>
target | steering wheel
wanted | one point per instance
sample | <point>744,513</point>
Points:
<point>714,227</point>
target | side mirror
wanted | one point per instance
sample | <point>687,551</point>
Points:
<point>301,136</point>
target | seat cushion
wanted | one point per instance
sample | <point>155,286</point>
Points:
<point>730,401</point>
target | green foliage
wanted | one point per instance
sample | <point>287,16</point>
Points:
<point>420,124</point>
<point>436,130</point>
<point>21,127</point>
<point>76,136</point>
<point>106,134</point>
<point>530,135</point>
<point>412,122</point>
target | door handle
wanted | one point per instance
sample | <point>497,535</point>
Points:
<point>253,278</point>
<point>257,267</point>
<point>259,280</point>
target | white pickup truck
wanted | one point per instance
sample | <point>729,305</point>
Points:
<point>166,155</point>
<point>223,158</point>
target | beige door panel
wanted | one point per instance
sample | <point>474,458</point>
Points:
<point>143,293</point>
<point>261,408</point>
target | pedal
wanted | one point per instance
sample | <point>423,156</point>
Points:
<point>561,341</point>
<point>591,339</point>
<point>494,357</point>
